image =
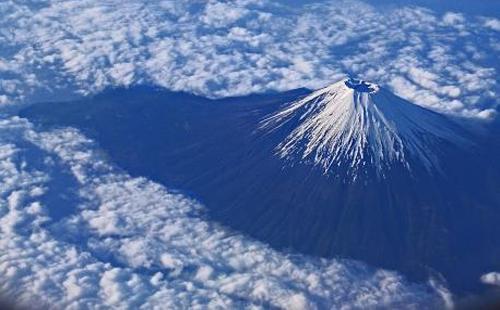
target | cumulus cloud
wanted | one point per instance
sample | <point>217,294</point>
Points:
<point>79,233</point>
<point>492,278</point>
<point>129,242</point>
<point>452,19</point>
<point>492,23</point>
<point>231,48</point>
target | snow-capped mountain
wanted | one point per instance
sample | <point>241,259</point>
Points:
<point>359,125</point>
<point>350,170</point>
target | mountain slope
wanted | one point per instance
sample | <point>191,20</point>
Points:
<point>348,171</point>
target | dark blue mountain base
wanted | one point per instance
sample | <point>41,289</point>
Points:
<point>417,223</point>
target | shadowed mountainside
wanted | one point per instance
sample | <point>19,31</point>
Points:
<point>417,221</point>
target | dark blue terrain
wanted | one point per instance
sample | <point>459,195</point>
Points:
<point>418,223</point>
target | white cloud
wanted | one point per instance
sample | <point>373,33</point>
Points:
<point>492,23</point>
<point>222,14</point>
<point>492,278</point>
<point>123,73</point>
<point>131,243</point>
<point>222,49</point>
<point>453,19</point>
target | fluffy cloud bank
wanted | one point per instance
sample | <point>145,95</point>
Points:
<point>79,233</point>
<point>217,48</point>
<point>126,242</point>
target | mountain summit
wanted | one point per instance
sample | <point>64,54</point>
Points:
<point>359,125</point>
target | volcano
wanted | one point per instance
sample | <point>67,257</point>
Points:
<point>356,126</point>
<point>347,171</point>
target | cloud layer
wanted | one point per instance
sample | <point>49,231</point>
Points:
<point>128,242</point>
<point>78,232</point>
<point>446,62</point>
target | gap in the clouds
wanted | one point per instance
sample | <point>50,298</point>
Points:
<point>60,196</point>
<point>62,199</point>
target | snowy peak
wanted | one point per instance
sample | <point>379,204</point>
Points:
<point>354,125</point>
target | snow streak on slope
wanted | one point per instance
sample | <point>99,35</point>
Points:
<point>357,124</point>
